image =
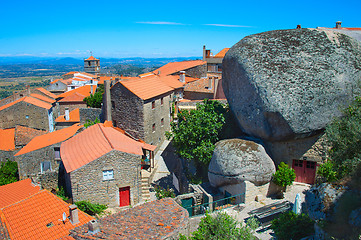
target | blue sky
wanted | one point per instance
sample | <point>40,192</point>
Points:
<point>154,28</point>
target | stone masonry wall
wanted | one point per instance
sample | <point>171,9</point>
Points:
<point>87,182</point>
<point>155,116</point>
<point>89,114</point>
<point>197,72</point>
<point>127,111</point>
<point>197,95</point>
<point>29,164</point>
<point>5,155</point>
<point>24,114</point>
<point>71,106</point>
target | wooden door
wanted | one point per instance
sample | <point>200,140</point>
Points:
<point>124,196</point>
<point>305,171</point>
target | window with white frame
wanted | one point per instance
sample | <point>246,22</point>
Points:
<point>45,166</point>
<point>108,174</point>
<point>57,152</point>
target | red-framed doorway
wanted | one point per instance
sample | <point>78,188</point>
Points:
<point>124,196</point>
<point>305,171</point>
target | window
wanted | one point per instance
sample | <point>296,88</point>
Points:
<point>161,101</point>
<point>57,152</point>
<point>45,166</point>
<point>153,104</point>
<point>108,174</point>
<point>27,116</point>
<point>153,127</point>
<point>162,122</point>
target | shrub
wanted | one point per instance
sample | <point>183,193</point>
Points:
<point>8,172</point>
<point>284,176</point>
<point>289,225</point>
<point>91,208</point>
<point>163,193</point>
<point>327,171</point>
<point>61,193</point>
<point>220,226</point>
<point>89,123</point>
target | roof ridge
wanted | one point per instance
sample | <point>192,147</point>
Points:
<point>22,199</point>
<point>111,145</point>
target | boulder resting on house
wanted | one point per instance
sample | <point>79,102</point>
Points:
<point>289,84</point>
<point>235,161</point>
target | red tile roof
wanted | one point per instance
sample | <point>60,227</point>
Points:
<point>46,92</point>
<point>75,97</point>
<point>73,117</point>
<point>39,217</point>
<point>49,139</point>
<point>7,139</point>
<point>84,90</point>
<point>23,135</point>
<point>151,220</point>
<point>30,100</point>
<point>42,98</point>
<point>91,58</point>
<point>174,67</point>
<point>14,192</point>
<point>222,53</point>
<point>146,88</point>
<point>94,142</point>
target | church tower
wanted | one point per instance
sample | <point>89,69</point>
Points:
<point>92,65</point>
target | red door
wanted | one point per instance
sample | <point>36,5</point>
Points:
<point>305,171</point>
<point>124,196</point>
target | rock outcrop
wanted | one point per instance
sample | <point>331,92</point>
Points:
<point>289,84</point>
<point>237,160</point>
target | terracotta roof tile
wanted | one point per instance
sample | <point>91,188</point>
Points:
<point>84,90</point>
<point>7,139</point>
<point>30,100</point>
<point>94,142</point>
<point>91,58</point>
<point>49,139</point>
<point>73,117</point>
<point>174,67</point>
<point>70,73</point>
<point>151,220</point>
<point>75,97</point>
<point>39,217</point>
<point>14,192</point>
<point>23,135</point>
<point>222,53</point>
<point>42,98</point>
<point>46,92</point>
<point>146,88</point>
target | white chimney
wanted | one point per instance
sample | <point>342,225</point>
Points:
<point>91,89</point>
<point>73,214</point>
<point>182,76</point>
<point>67,114</point>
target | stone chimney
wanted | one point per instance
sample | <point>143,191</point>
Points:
<point>182,76</point>
<point>93,227</point>
<point>210,82</point>
<point>73,214</point>
<point>204,52</point>
<point>338,24</point>
<point>107,101</point>
<point>67,114</point>
<point>298,26</point>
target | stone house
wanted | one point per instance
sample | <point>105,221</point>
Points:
<point>27,111</point>
<point>103,165</point>
<point>214,63</point>
<point>40,158</point>
<point>57,87</point>
<point>26,93</point>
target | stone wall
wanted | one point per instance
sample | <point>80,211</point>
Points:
<point>87,182</point>
<point>29,164</point>
<point>155,116</point>
<point>127,111</point>
<point>36,91</point>
<point>48,180</point>
<point>24,114</point>
<point>5,155</point>
<point>89,114</point>
<point>197,95</point>
<point>71,105</point>
<point>197,72</point>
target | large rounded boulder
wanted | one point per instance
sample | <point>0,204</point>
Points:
<point>289,84</point>
<point>237,160</point>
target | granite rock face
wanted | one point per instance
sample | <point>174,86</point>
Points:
<point>289,84</point>
<point>237,160</point>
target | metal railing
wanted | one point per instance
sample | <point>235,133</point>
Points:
<point>224,203</point>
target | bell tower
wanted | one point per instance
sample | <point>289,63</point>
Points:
<point>92,65</point>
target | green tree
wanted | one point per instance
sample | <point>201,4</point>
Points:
<point>95,100</point>
<point>284,176</point>
<point>294,226</point>
<point>89,123</point>
<point>8,172</point>
<point>220,226</point>
<point>344,136</point>
<point>197,131</point>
